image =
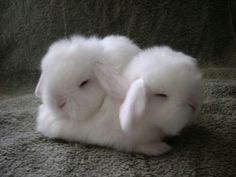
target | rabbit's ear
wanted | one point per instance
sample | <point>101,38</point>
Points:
<point>38,89</point>
<point>134,105</point>
<point>112,82</point>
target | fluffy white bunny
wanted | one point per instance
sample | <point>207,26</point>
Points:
<point>158,92</point>
<point>165,91</point>
<point>68,67</point>
<point>164,95</point>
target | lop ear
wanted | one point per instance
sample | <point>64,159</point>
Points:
<point>112,82</point>
<point>134,105</point>
<point>38,89</point>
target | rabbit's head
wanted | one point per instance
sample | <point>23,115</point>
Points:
<point>165,90</point>
<point>67,84</point>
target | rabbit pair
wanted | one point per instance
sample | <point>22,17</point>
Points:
<point>111,93</point>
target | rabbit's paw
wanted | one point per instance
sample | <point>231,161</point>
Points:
<point>48,125</point>
<point>153,149</point>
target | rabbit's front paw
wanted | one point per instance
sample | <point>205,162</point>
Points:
<point>153,149</point>
<point>48,125</point>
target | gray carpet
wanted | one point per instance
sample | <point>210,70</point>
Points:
<point>207,148</point>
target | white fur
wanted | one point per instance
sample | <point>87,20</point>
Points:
<point>69,62</point>
<point>120,50</point>
<point>134,105</point>
<point>101,129</point>
<point>164,71</point>
<point>91,114</point>
<point>66,65</point>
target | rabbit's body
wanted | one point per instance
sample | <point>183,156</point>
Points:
<point>101,129</point>
<point>126,103</point>
<point>79,104</point>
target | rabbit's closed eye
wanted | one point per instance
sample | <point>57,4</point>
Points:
<point>162,95</point>
<point>82,84</point>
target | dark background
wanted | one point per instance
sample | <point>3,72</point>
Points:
<point>201,28</point>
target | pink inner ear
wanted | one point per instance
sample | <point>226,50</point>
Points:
<point>134,105</point>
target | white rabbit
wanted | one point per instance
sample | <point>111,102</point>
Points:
<point>68,65</point>
<point>164,95</point>
<point>66,71</point>
<point>165,91</point>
